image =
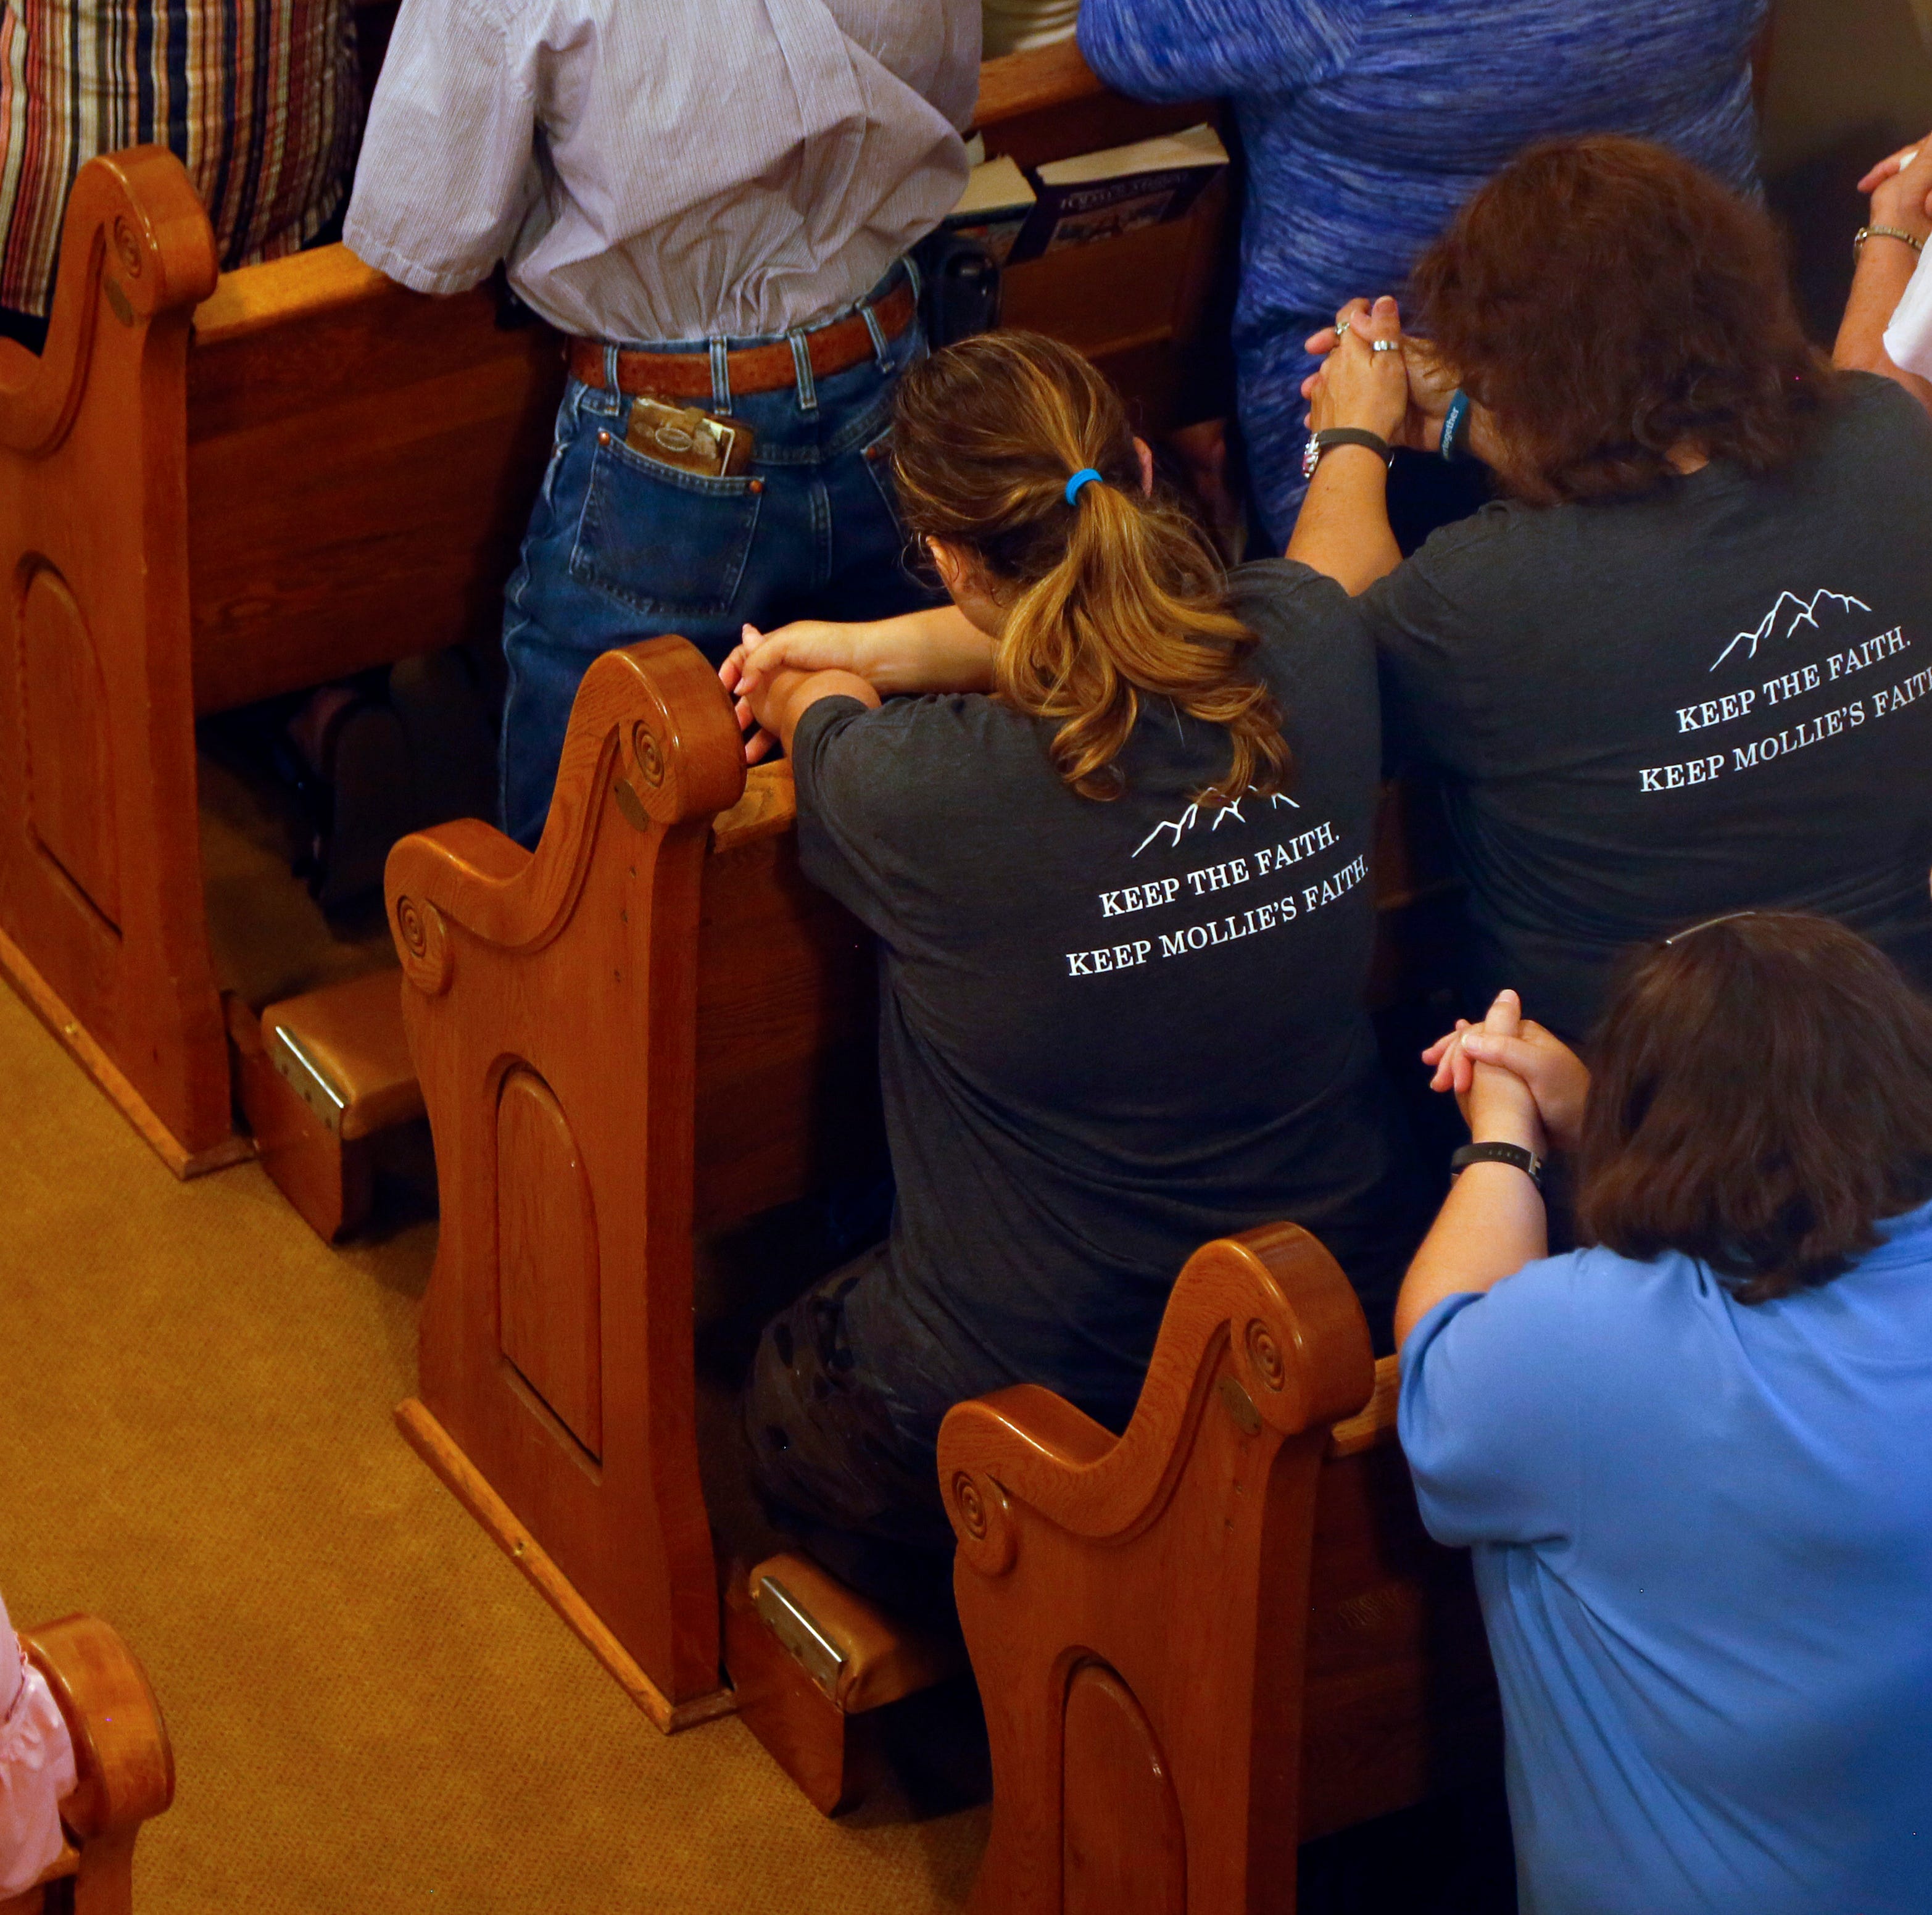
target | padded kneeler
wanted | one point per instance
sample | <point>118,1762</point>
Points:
<point>317,1076</point>
<point>812,1661</point>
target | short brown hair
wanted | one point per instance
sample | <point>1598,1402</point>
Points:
<point>1763,1098</point>
<point>1109,598</point>
<point>1606,300</point>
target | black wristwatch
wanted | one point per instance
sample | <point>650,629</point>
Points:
<point>1528,1162</point>
<point>1319,442</point>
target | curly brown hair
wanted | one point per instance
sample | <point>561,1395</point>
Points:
<point>1763,1099</point>
<point>1606,301</point>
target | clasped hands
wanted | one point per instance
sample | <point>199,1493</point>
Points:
<point>1516,1082</point>
<point>766,670</point>
<point>1401,396</point>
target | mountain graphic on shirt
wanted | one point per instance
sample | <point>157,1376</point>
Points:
<point>1175,829</point>
<point>1787,615</point>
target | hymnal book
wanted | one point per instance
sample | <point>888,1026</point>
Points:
<point>993,207</point>
<point>1100,196</point>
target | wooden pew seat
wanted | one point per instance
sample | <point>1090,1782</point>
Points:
<point>123,1765</point>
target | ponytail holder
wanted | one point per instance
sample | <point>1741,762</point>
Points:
<point>1085,476</point>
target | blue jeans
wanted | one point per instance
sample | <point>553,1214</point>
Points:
<point>622,547</point>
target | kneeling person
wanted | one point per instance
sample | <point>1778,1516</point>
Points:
<point>1115,848</point>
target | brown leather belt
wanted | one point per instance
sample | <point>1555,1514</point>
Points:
<point>753,368</point>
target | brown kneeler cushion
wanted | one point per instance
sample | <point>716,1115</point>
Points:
<point>885,1659</point>
<point>352,1034</point>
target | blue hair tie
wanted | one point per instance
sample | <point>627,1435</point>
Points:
<point>1086,475</point>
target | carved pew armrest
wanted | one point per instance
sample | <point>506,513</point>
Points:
<point>1271,1300</point>
<point>123,1760</point>
<point>643,730</point>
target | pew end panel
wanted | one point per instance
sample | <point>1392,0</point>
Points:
<point>100,900</point>
<point>650,1025</point>
<point>212,490</point>
<point>1164,1625</point>
<point>123,1765</point>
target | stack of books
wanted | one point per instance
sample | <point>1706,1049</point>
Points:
<point>1020,215</point>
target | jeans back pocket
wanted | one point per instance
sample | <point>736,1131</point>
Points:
<point>669,542</point>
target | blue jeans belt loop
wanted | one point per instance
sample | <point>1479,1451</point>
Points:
<point>878,334</point>
<point>720,379</point>
<point>912,280</point>
<point>610,385</point>
<point>801,359</point>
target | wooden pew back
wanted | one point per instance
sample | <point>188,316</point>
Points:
<point>1223,1633</point>
<point>333,475</point>
<point>650,1025</point>
<point>1142,306</point>
<point>360,462</point>
<point>211,492</point>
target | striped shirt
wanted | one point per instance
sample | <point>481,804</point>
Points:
<point>258,99</point>
<point>660,170</point>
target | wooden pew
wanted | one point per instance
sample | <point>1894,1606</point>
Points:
<point>124,1765</point>
<point>650,1028</point>
<point>651,1025</point>
<point>1142,307</point>
<point>211,492</point>
<point>1223,1633</point>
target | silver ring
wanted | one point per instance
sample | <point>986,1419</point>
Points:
<point>1385,345</point>
<point>1342,326</point>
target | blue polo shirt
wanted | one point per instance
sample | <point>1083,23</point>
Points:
<point>1702,1536</point>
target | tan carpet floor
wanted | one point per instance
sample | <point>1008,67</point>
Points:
<point>371,1709</point>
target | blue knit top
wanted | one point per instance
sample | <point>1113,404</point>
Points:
<point>1367,123</point>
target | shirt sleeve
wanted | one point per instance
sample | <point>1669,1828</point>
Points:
<point>1189,49</point>
<point>1421,638</point>
<point>448,168</point>
<point>1908,338</point>
<point>957,93</point>
<point>850,815</point>
<point>1489,1413</point>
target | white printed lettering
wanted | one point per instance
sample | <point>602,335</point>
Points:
<point>1715,711</point>
<point>1674,777</point>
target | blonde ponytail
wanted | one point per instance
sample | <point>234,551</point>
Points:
<point>1109,597</point>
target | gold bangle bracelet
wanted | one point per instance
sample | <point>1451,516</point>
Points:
<point>1865,232</point>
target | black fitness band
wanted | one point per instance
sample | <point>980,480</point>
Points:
<point>1319,443</point>
<point>1528,1162</point>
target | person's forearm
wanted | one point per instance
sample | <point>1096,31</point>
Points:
<point>1343,529</point>
<point>1491,1226</point>
<point>937,650</point>
<point>795,693</point>
<point>1885,270</point>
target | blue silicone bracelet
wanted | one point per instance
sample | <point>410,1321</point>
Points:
<point>1453,421</point>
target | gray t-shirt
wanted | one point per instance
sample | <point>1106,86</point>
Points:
<point>1109,1031</point>
<point>1650,711</point>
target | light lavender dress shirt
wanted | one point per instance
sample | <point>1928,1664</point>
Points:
<point>665,169</point>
